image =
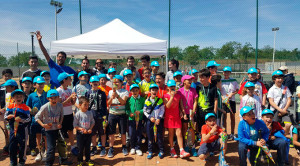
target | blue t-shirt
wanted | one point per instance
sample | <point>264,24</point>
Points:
<point>55,70</point>
<point>194,85</point>
<point>35,101</point>
<point>295,131</point>
<point>253,133</point>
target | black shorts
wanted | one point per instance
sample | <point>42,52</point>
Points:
<point>113,120</point>
<point>186,121</point>
<point>35,129</point>
<point>232,105</point>
<point>98,127</point>
<point>67,124</point>
<point>282,119</point>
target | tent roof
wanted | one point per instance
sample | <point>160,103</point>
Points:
<point>110,41</point>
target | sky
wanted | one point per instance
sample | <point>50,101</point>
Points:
<point>193,22</point>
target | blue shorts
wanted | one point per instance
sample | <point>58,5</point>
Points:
<point>35,129</point>
<point>209,147</point>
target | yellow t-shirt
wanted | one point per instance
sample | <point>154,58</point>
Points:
<point>144,85</point>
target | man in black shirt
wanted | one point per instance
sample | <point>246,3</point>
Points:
<point>34,70</point>
<point>85,64</point>
<point>99,68</point>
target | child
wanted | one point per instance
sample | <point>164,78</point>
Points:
<point>128,80</point>
<point>6,75</point>
<point>154,69</point>
<point>276,139</point>
<point>103,86</point>
<point>136,80</point>
<point>17,115</point>
<point>83,123</point>
<point>154,111</point>
<point>48,82</point>
<point>117,100</point>
<point>145,59</point>
<point>221,113</point>
<point>251,100</point>
<point>229,89</point>
<point>82,86</point>
<point>34,102</point>
<point>212,66</point>
<point>134,109</point>
<point>189,98</point>
<point>174,109</point>
<point>145,84</point>
<point>67,98</point>
<point>50,117</point>
<point>280,100</point>
<point>27,86</point>
<point>210,141</point>
<point>98,108</point>
<point>177,77</point>
<point>194,73</point>
<point>111,73</point>
<point>250,130</point>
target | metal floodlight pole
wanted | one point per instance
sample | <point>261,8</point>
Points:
<point>32,45</point>
<point>256,49</point>
<point>274,29</point>
<point>168,56</point>
<point>80,16</point>
<point>56,4</point>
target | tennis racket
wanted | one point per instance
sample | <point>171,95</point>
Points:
<point>259,150</point>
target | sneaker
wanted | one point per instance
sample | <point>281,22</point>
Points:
<point>80,164</point>
<point>106,144</point>
<point>21,164</point>
<point>75,151</point>
<point>194,152</point>
<point>102,152</point>
<point>44,156</point>
<point>184,154</point>
<point>150,155</point>
<point>125,151</point>
<point>173,153</point>
<point>90,163</point>
<point>132,151</point>
<point>33,153</point>
<point>99,144</point>
<point>139,152</point>
<point>161,155</point>
<point>94,151</point>
<point>38,157</point>
<point>110,153</point>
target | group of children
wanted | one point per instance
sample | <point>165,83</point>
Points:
<point>145,109</point>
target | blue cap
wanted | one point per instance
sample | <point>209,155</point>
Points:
<point>38,79</point>
<point>83,73</point>
<point>118,77</point>
<point>209,115</point>
<point>193,71</point>
<point>111,70</point>
<point>252,70</point>
<point>277,72</point>
<point>52,93</point>
<point>10,82</point>
<point>134,86</point>
<point>44,72</point>
<point>212,63</point>
<point>267,111</point>
<point>126,72</point>
<point>94,79</point>
<point>249,84</point>
<point>63,76</point>
<point>171,83</point>
<point>102,76</point>
<point>245,110</point>
<point>17,91</point>
<point>153,86</point>
<point>227,68</point>
<point>155,63</point>
<point>27,79</point>
<point>177,73</point>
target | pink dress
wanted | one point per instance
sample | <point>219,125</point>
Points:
<point>172,116</point>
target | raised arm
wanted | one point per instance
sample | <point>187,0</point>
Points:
<point>43,49</point>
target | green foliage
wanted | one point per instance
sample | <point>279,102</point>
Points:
<point>3,61</point>
<point>191,54</point>
<point>207,53</point>
<point>229,50</point>
<point>176,53</point>
<point>21,60</point>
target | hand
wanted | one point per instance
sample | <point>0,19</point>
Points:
<point>89,131</point>
<point>157,121</point>
<point>230,95</point>
<point>84,131</point>
<point>146,93</point>
<point>214,129</point>
<point>46,126</point>
<point>137,113</point>
<point>38,35</point>
<point>10,116</point>
<point>172,93</point>
<point>152,120</point>
<point>185,117</point>
<point>131,115</point>
<point>17,119</point>
<point>263,142</point>
<point>59,126</point>
<point>272,138</point>
<point>258,143</point>
<point>74,96</point>
<point>114,94</point>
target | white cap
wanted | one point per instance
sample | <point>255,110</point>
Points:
<point>283,68</point>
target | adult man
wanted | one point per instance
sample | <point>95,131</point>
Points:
<point>130,62</point>
<point>289,79</point>
<point>55,69</point>
<point>99,68</point>
<point>85,64</point>
<point>33,71</point>
<point>173,66</point>
<point>145,59</point>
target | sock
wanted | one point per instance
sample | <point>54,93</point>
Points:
<point>181,149</point>
<point>172,148</point>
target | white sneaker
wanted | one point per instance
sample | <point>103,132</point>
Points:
<point>132,151</point>
<point>139,152</point>
<point>44,156</point>
<point>38,157</point>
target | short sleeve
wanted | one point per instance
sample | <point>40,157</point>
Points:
<point>125,93</point>
<point>271,94</point>
<point>241,88</point>
<point>51,64</point>
<point>204,129</point>
<point>264,89</point>
<point>235,85</point>
<point>295,130</point>
<point>288,93</point>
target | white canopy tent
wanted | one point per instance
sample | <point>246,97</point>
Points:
<point>113,40</point>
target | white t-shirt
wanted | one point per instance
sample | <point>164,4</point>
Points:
<point>228,86</point>
<point>64,94</point>
<point>253,102</point>
<point>275,93</point>
<point>118,109</point>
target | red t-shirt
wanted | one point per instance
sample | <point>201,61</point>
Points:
<point>205,130</point>
<point>173,111</point>
<point>275,127</point>
<point>140,70</point>
<point>258,85</point>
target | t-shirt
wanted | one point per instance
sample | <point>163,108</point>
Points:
<point>207,96</point>
<point>260,89</point>
<point>97,103</point>
<point>55,70</point>
<point>64,94</point>
<point>215,136</point>
<point>298,92</point>
<point>84,120</point>
<point>144,85</point>
<point>295,131</point>
<point>253,102</point>
<point>188,97</point>
<point>173,111</point>
<point>32,74</point>
<point>169,75</point>
<point>141,72</point>
<point>229,86</point>
<point>118,109</point>
<point>105,90</point>
<point>253,133</point>
<point>275,93</point>
<point>194,85</point>
<point>35,102</point>
<point>80,90</point>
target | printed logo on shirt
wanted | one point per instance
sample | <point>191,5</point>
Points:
<point>54,119</point>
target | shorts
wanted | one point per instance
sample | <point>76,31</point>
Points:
<point>113,120</point>
<point>35,129</point>
<point>67,124</point>
<point>232,105</point>
<point>186,121</point>
<point>174,123</point>
<point>98,127</point>
<point>209,147</point>
<point>282,119</point>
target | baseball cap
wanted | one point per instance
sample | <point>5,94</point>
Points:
<point>52,93</point>
<point>17,91</point>
<point>186,77</point>
<point>154,63</point>
<point>27,79</point>
<point>10,82</point>
<point>209,115</point>
<point>102,76</point>
<point>245,110</point>
<point>177,73</point>
<point>252,70</point>
<point>283,68</point>
<point>193,71</point>
<point>83,73</point>
<point>277,72</point>
<point>171,83</point>
<point>127,72</point>
<point>94,79</point>
<point>119,77</point>
<point>134,86</point>
<point>44,72</point>
<point>267,111</point>
<point>227,68</point>
<point>111,70</point>
<point>63,76</point>
<point>249,84</point>
<point>153,86</point>
<point>212,63</point>
<point>38,79</point>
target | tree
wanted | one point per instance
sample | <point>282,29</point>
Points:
<point>21,60</point>
<point>207,53</point>
<point>191,54</point>
<point>229,50</point>
<point>3,61</point>
<point>245,52</point>
<point>176,53</point>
